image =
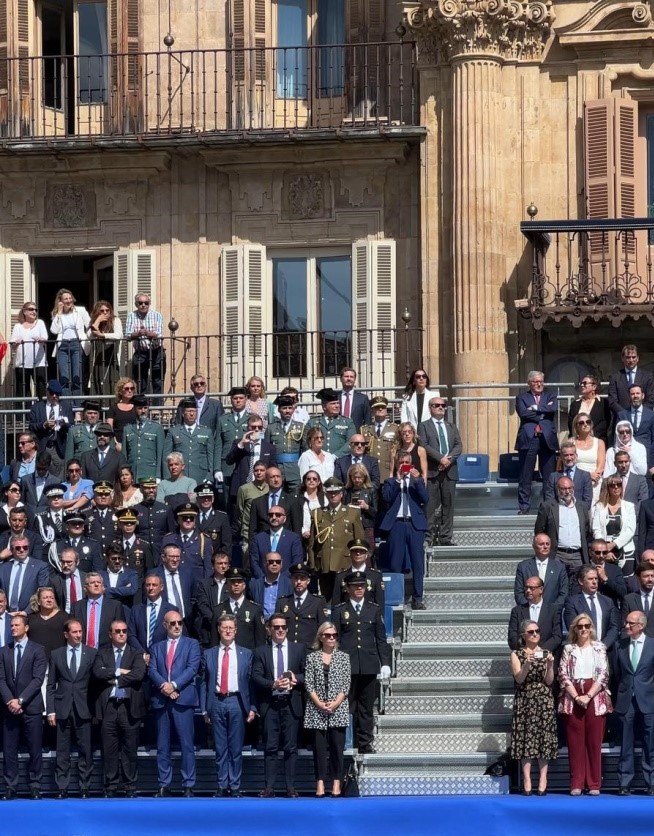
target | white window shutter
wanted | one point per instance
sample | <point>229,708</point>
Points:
<point>144,274</point>
<point>122,300</point>
<point>134,272</point>
<point>18,282</point>
<point>360,306</point>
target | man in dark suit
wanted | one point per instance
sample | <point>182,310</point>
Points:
<point>357,456</point>
<point>96,611</point>
<point>645,533</point>
<point>630,373</point>
<point>35,485</point>
<point>642,599</point>
<point>174,664</point>
<point>570,541</point>
<point>355,405</point>
<point>227,704</point>
<point>543,565</point>
<point>88,550</point>
<point>547,616</point>
<point>120,583</point>
<point>5,621</point>
<point>275,584</point>
<point>251,448</point>
<point>178,581</point>
<point>18,522</point>
<point>249,616</point>
<point>303,610</point>
<point>359,556</point>
<point>602,610</point>
<point>68,583</point>
<point>634,486</point>
<point>442,443</point>
<point>22,671</point>
<point>405,522</point>
<point>641,418</point>
<point>360,625</point>
<point>102,464</point>
<point>611,580</point>
<point>21,576</point>
<point>68,708</point>
<point>209,411</point>
<point>211,522</point>
<point>580,478</point>
<point>50,421</point>
<point>536,437</point>
<point>208,594</point>
<point>635,699</point>
<point>120,707</point>
<point>278,677</point>
<point>146,620</point>
<point>278,539</point>
<point>259,508</point>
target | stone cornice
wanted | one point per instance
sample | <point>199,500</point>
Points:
<point>505,29</point>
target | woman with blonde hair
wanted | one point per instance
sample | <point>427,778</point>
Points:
<point>105,332</point>
<point>69,323</point>
<point>409,444</point>
<point>359,493</point>
<point>123,412</point>
<point>591,451</point>
<point>614,520</point>
<point>29,338</point>
<point>257,403</point>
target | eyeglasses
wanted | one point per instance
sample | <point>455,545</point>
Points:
<point>279,627</point>
<point>437,406</point>
<point>420,375</point>
<point>532,632</point>
<point>615,485</point>
<point>128,388</point>
<point>357,443</point>
<point>30,309</point>
<point>273,562</point>
<point>583,423</point>
<point>13,490</point>
<point>311,479</point>
<point>142,303</point>
<point>599,551</point>
<point>187,518</point>
<point>276,514</point>
<point>199,383</point>
<point>583,626</point>
<point>123,629</point>
<point>329,635</point>
<point>74,470</point>
<point>21,548</point>
<point>28,441</point>
<point>176,623</point>
<point>104,310</point>
<point>624,432</point>
<point>533,587</point>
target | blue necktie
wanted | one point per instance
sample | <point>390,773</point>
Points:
<point>280,661</point>
<point>152,626</point>
<point>273,542</point>
<point>120,692</point>
<point>593,612</point>
<point>19,657</point>
<point>14,595</point>
<point>73,662</point>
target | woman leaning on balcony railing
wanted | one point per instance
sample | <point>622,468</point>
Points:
<point>105,332</point>
<point>28,340</point>
<point>69,324</point>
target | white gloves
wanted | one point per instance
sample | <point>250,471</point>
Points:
<point>385,672</point>
<point>218,477</point>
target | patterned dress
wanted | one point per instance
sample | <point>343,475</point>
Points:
<point>533,730</point>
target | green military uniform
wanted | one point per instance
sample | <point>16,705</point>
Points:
<point>384,446</point>
<point>230,429</point>
<point>80,439</point>
<point>143,446</point>
<point>198,449</point>
<point>287,441</point>
<point>337,431</point>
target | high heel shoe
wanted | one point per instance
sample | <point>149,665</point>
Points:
<point>525,792</point>
<point>540,792</point>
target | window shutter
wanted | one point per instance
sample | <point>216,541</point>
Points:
<point>251,64</point>
<point>124,42</point>
<point>134,272</point>
<point>16,278</point>
<point>366,63</point>
<point>122,301</point>
<point>4,80</point>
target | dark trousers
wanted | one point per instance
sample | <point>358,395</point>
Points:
<point>228,724</point>
<point>149,365</point>
<point>24,378</point>
<point>74,726</point>
<point>363,691</point>
<point>327,581</point>
<point>626,762</point>
<point>328,748</point>
<point>584,732</point>
<point>280,731</point>
<point>32,727</point>
<point>120,740</point>
<point>404,542</point>
<point>440,508</point>
<point>527,459</point>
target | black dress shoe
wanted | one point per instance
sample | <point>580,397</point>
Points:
<point>367,750</point>
<point>292,794</point>
<point>649,791</point>
<point>525,792</point>
<point>163,792</point>
<point>540,792</point>
<point>221,793</point>
<point>418,605</point>
<point>128,794</point>
<point>187,792</point>
<point>523,511</point>
<point>35,795</point>
<point>624,791</point>
<point>62,794</point>
<point>84,794</point>
<point>10,795</point>
<point>235,793</point>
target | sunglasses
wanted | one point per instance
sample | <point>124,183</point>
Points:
<point>13,490</point>
<point>279,627</point>
<point>30,309</point>
<point>583,626</point>
<point>186,518</point>
<point>104,310</point>
<point>103,435</point>
<point>437,405</point>
<point>624,432</point>
<point>29,441</point>
<point>422,376</point>
<point>599,551</point>
<point>274,514</point>
<point>312,479</point>
<point>273,562</point>
<point>329,635</point>
<point>141,304</point>
<point>198,383</point>
<point>532,632</point>
<point>357,443</point>
<point>586,383</point>
<point>120,629</point>
<point>128,388</point>
<point>21,548</point>
<point>175,623</point>
<point>583,423</point>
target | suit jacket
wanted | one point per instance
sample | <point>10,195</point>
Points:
<point>618,392</point>
<point>359,408</point>
<point>36,544</point>
<point>240,459</point>
<point>363,636</point>
<point>645,431</point>
<point>28,487</point>
<point>289,546</point>
<point>58,583</point>
<point>110,611</point>
<point>7,628</point>
<point>37,418</point>
<point>638,683</point>
<point>263,676</point>
<point>549,621</point>
<point>205,599</point>
<point>35,574</point>
<point>138,626</point>
<point>547,522</point>
<point>344,463</point>
<point>208,696</point>
<point>556,581</point>
<point>645,530</point>
<point>127,588</point>
<point>229,431</point>
<point>259,514</point>
<point>431,442</point>
<point>634,603</point>
<point>45,525</point>
<point>615,586</point>
<point>212,412</point>
<point>257,587</point>
<point>636,491</point>
<point>112,463</point>
<point>417,496</point>
<point>26,684</point>
<point>543,417</point>
<point>581,480</point>
<point>104,672</point>
<point>186,586</point>
<point>185,667</point>
<point>577,604</point>
<point>66,692</point>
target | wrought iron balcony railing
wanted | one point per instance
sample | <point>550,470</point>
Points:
<point>589,269</point>
<point>186,94</point>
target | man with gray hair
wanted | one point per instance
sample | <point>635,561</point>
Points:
<point>580,478</point>
<point>145,328</point>
<point>536,437</point>
<point>177,487</point>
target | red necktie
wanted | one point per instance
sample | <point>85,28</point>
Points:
<point>346,406</point>
<point>170,657</point>
<point>90,632</point>
<point>224,673</point>
<point>73,591</point>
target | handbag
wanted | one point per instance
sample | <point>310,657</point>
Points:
<point>350,785</point>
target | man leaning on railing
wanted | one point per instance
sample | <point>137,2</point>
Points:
<point>145,329</point>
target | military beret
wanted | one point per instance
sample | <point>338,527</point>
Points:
<point>188,403</point>
<point>333,485</point>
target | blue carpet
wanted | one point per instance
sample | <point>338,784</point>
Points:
<point>436,816</point>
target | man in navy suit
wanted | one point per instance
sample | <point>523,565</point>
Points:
<point>580,478</point>
<point>278,539</point>
<point>18,527</point>
<point>227,704</point>
<point>251,448</point>
<point>21,576</point>
<point>120,583</point>
<point>146,621</point>
<point>536,437</point>
<point>630,373</point>
<point>102,464</point>
<point>208,594</point>
<point>96,611</point>
<point>278,677</point>
<point>275,584</point>
<point>22,671</point>
<point>208,410</point>
<point>174,664</point>
<point>602,610</point>
<point>34,486</point>
<point>68,708</point>
<point>641,418</point>
<point>611,580</point>
<point>357,456</point>
<point>276,496</point>
<point>642,599</point>
<point>405,523</point>
<point>547,616</point>
<point>354,405</point>
<point>546,567</point>
<point>178,581</point>
<point>634,699</point>
<point>5,621</point>
<point>50,421</point>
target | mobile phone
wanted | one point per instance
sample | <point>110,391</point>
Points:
<point>538,654</point>
<point>287,675</point>
<point>405,469</point>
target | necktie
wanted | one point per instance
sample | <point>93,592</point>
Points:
<point>280,661</point>
<point>646,604</point>
<point>101,455</point>
<point>90,632</point>
<point>186,538</point>
<point>635,655</point>
<point>224,672</point>
<point>630,375</point>
<point>274,498</point>
<point>152,622</point>
<point>346,406</point>
<point>635,419</point>
<point>378,431</point>
<point>274,539</point>
<point>19,656</point>
<point>120,692</point>
<point>593,610</point>
<point>568,472</point>
<point>189,430</point>
<point>203,518</point>
<point>14,594</point>
<point>73,590</point>
<point>176,593</point>
<point>251,467</point>
<point>51,414</point>
<point>236,607</point>
<point>357,608</point>
<point>405,499</point>
<point>73,661</point>
<point>357,460</point>
<point>298,603</point>
<point>170,656</point>
<point>442,439</point>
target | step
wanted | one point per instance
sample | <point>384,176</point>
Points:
<point>454,667</point>
<point>479,569</point>
<point>461,633</point>
<point>451,686</point>
<point>405,785</point>
<point>426,764</point>
<point>481,552</point>
<point>450,704</point>
<point>491,538</point>
<point>488,583</point>
<point>445,743</point>
<point>470,601</point>
<point>423,652</point>
<point>480,721</point>
<point>493,522</point>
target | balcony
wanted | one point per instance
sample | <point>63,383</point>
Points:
<point>212,95</point>
<point>589,270</point>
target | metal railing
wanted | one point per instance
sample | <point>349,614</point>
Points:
<point>199,92</point>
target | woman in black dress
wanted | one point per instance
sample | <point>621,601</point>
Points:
<point>46,621</point>
<point>123,411</point>
<point>590,402</point>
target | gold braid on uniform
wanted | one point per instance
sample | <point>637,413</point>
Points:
<point>321,533</point>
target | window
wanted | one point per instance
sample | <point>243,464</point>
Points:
<point>291,55</point>
<point>93,48</point>
<point>331,56</point>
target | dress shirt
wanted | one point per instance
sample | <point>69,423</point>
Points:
<point>116,691</point>
<point>3,628</point>
<point>534,610</point>
<point>569,533</point>
<point>232,679</point>
<point>39,482</point>
<point>27,467</point>
<point>646,599</point>
<point>114,577</point>
<point>170,590</point>
<point>148,610</point>
<point>301,598</point>
<point>584,667</point>
<point>270,589</point>
<point>98,613</point>
<point>275,645</point>
<point>404,509</point>
<point>129,543</point>
<point>236,601</point>
<point>541,568</point>
<point>16,578</point>
<point>636,417</point>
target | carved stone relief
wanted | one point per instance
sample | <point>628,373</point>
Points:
<point>305,196</point>
<point>18,196</point>
<point>69,206</point>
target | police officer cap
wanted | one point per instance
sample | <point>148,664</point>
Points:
<point>126,515</point>
<point>91,406</point>
<point>188,403</point>
<point>205,489</point>
<point>236,574</point>
<point>284,400</point>
<point>333,485</point>
<point>103,486</point>
<point>74,517</point>
<point>55,491</point>
<point>358,545</point>
<point>105,429</point>
<point>237,390</point>
<point>355,579</point>
<point>140,400</point>
<point>327,395</point>
<point>148,482</point>
<point>378,400</point>
<point>187,508</point>
<point>301,569</point>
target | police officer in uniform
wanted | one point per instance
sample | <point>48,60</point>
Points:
<point>88,549</point>
<point>286,435</point>
<point>49,524</point>
<point>359,553</point>
<point>304,611</point>
<point>360,627</point>
<point>138,554</point>
<point>337,430</point>
<point>101,522</point>
<point>81,437</point>
<point>197,548</point>
<point>194,442</point>
<point>332,528</point>
<point>152,515</point>
<point>215,524</point>
<point>231,426</point>
<point>250,625</point>
<point>143,443</point>
<point>383,436</point>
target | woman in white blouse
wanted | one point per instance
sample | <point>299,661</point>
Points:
<point>315,458</point>
<point>70,323</point>
<point>28,339</point>
<point>415,404</point>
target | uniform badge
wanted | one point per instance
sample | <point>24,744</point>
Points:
<point>86,549</point>
<point>285,608</point>
<point>247,616</point>
<point>346,615</point>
